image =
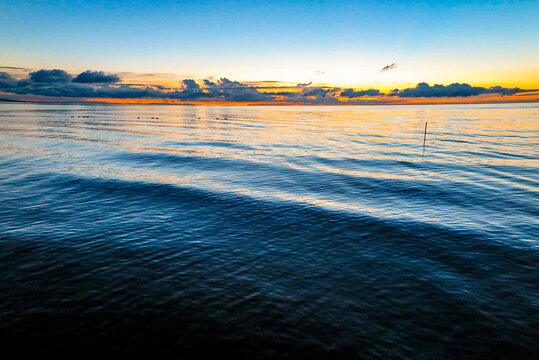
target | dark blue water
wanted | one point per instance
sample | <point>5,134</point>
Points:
<point>270,232</point>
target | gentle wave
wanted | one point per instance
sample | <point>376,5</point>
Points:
<point>299,232</point>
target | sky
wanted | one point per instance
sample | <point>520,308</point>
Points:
<point>286,52</point>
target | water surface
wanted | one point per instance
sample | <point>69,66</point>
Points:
<point>307,232</point>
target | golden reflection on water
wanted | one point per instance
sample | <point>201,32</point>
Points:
<point>383,142</point>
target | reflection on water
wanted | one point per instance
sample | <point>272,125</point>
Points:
<point>307,231</point>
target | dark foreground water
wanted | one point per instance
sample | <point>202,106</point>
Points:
<point>265,232</point>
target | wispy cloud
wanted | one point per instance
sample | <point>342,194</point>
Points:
<point>300,85</point>
<point>388,67</point>
<point>14,68</point>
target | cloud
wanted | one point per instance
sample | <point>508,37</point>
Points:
<point>59,84</point>
<point>221,90</point>
<point>14,68</point>
<point>319,92</point>
<point>388,67</point>
<point>209,83</point>
<point>225,83</point>
<point>50,76</point>
<point>190,84</point>
<point>7,81</point>
<point>318,95</point>
<point>310,95</point>
<point>508,91</point>
<point>96,77</point>
<point>350,93</point>
<point>453,90</point>
<point>236,91</point>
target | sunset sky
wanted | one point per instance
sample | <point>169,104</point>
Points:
<point>269,52</point>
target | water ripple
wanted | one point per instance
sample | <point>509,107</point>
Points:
<point>276,232</point>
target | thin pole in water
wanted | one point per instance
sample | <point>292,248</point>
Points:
<point>424,139</point>
<point>425,135</point>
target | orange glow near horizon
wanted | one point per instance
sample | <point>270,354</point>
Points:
<point>384,100</point>
<point>179,102</point>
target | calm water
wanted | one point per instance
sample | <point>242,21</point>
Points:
<point>270,231</point>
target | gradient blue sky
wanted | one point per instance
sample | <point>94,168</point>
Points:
<point>342,43</point>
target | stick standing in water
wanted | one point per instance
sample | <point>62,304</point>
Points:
<point>424,138</point>
<point>425,135</point>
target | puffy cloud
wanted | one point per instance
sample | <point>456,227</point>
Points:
<point>7,81</point>
<point>190,84</point>
<point>350,93</point>
<point>388,67</point>
<point>228,90</point>
<point>225,83</point>
<point>50,76</point>
<point>96,77</point>
<point>508,91</point>
<point>209,83</point>
<point>96,84</point>
<point>453,90</point>
<point>310,95</point>
<point>236,91</point>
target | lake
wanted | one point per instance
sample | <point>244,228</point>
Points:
<point>256,232</point>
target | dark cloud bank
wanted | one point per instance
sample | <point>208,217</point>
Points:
<point>453,90</point>
<point>97,84</point>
